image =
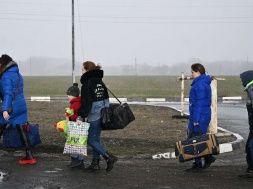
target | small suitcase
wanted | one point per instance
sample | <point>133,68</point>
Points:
<point>198,146</point>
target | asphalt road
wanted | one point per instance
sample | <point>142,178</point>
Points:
<point>51,172</point>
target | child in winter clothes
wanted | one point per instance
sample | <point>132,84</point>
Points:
<point>247,82</point>
<point>71,115</point>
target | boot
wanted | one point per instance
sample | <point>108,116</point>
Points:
<point>110,160</point>
<point>2,127</point>
<point>248,174</point>
<point>28,159</point>
<point>72,162</point>
<point>76,163</point>
<point>94,166</point>
<point>208,161</point>
<point>196,167</point>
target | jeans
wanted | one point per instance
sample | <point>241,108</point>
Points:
<point>249,150</point>
<point>79,157</point>
<point>94,139</point>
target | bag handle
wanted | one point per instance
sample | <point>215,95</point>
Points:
<point>191,130</point>
<point>111,93</point>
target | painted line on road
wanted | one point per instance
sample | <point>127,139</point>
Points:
<point>40,98</point>
<point>155,99</point>
<point>232,98</point>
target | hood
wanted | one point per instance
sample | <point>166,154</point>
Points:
<point>11,66</point>
<point>92,74</point>
<point>246,78</point>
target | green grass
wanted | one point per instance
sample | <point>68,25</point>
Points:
<point>129,86</point>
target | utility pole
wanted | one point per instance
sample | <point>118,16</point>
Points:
<point>247,62</point>
<point>30,66</point>
<point>135,65</point>
<point>73,43</point>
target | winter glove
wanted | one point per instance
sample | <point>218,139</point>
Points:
<point>69,112</point>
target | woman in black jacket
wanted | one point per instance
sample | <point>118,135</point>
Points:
<point>94,97</point>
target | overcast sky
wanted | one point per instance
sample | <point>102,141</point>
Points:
<point>120,32</point>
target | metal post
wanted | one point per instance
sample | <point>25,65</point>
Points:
<point>213,122</point>
<point>73,43</point>
<point>182,94</point>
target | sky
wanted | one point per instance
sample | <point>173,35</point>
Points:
<point>120,32</point>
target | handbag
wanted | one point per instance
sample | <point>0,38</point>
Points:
<point>77,137</point>
<point>16,92</point>
<point>116,116</point>
<point>12,138</point>
<point>197,146</point>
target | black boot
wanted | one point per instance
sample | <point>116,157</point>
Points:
<point>209,159</point>
<point>94,166</point>
<point>248,174</point>
<point>28,159</point>
<point>196,167</point>
<point>2,127</point>
<point>110,160</point>
<point>76,163</point>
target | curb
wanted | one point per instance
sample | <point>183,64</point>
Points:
<point>224,148</point>
<point>132,99</point>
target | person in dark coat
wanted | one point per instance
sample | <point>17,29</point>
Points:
<point>247,82</point>
<point>200,100</point>
<point>12,94</point>
<point>94,97</point>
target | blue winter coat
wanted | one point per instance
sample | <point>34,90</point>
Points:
<point>200,103</point>
<point>8,84</point>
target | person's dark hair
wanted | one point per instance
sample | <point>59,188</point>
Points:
<point>197,67</point>
<point>4,60</point>
<point>89,65</point>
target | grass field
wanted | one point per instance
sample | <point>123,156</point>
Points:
<point>129,86</point>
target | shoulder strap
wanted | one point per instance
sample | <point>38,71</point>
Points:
<point>111,92</point>
<point>16,91</point>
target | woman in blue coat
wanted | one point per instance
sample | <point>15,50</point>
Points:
<point>11,94</point>
<point>200,98</point>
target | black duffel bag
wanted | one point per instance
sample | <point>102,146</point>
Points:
<point>116,116</point>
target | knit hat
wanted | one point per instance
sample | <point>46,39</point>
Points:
<point>73,90</point>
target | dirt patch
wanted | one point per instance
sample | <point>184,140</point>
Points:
<point>153,131</point>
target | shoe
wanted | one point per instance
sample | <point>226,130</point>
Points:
<point>94,166</point>
<point>196,167</point>
<point>110,160</point>
<point>248,174</point>
<point>208,161</point>
<point>73,162</point>
<point>28,159</point>
<point>76,164</point>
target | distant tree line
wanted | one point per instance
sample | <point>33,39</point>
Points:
<point>39,66</point>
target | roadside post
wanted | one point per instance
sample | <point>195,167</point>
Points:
<point>182,114</point>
